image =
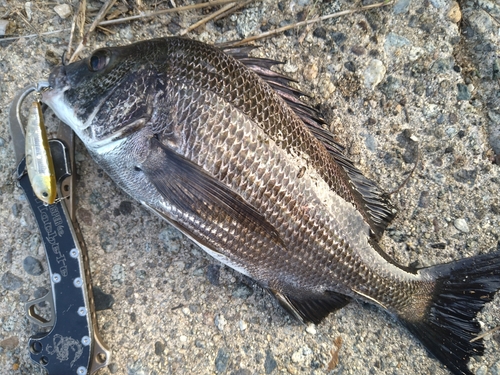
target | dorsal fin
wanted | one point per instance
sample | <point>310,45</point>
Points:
<point>376,203</point>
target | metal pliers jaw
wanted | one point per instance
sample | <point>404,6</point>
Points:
<point>73,344</point>
<point>16,121</point>
<point>64,134</point>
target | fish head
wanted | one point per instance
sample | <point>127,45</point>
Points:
<point>105,96</point>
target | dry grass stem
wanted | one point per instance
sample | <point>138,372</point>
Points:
<point>97,22</point>
<point>313,20</point>
<point>78,24</point>
<point>232,10</point>
<point>166,11</point>
<point>105,30</point>
<point>208,4</point>
<point>211,16</point>
<point>484,334</point>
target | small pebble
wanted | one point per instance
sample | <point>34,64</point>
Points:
<point>454,14</point>
<point>401,6</point>
<point>102,300</point>
<point>3,27</point>
<point>311,329</point>
<point>483,370</point>
<point>269,363</point>
<point>466,176</point>
<point>241,371</point>
<point>349,65</point>
<point>461,225</point>
<point>63,10</point>
<point>481,22</point>
<point>15,209</point>
<point>2,141</point>
<point>423,202</point>
<point>9,343</point>
<point>126,208</point>
<point>311,72</point>
<point>242,325</point>
<point>242,291</point>
<point>10,281</point>
<point>117,275</point>
<point>395,41</point>
<point>437,3</point>
<point>137,368</point>
<point>290,68</point>
<point>220,322</point>
<point>301,355</point>
<point>159,348</point>
<point>113,368</point>
<point>32,266</point>
<point>320,32</point>
<point>374,73</point>
<point>222,360</point>
<point>338,38</point>
<point>463,92</point>
<point>495,71</point>
<point>495,369</point>
<point>28,9</point>
<point>213,274</point>
<point>415,53</point>
<point>358,50</point>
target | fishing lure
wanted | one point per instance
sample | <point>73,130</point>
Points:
<point>38,158</point>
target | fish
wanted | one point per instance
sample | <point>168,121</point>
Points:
<point>38,157</point>
<point>222,147</point>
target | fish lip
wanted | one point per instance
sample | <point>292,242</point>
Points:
<point>58,81</point>
<point>58,85</point>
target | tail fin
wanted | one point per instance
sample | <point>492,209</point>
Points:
<point>462,289</point>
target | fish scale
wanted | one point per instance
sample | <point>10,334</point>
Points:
<point>222,148</point>
<point>203,135</point>
<point>198,113</point>
<point>242,89</point>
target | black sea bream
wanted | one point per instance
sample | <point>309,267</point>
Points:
<point>221,147</point>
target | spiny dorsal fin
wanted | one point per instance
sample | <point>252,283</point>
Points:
<point>376,204</point>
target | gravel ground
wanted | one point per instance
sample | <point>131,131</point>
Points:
<point>416,75</point>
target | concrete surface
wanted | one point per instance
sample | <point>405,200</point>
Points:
<point>387,80</point>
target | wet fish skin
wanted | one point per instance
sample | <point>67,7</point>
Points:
<point>204,142</point>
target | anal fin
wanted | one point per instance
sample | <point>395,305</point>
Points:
<point>313,309</point>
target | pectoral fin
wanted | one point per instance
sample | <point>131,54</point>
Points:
<point>195,192</point>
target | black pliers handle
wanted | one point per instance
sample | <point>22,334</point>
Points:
<point>73,344</point>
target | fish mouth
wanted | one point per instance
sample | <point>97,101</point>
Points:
<point>58,85</point>
<point>58,77</point>
<point>55,97</point>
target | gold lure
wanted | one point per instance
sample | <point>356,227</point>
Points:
<point>38,157</point>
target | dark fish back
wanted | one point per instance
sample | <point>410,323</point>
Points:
<point>242,88</point>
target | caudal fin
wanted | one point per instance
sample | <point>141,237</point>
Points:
<point>462,289</point>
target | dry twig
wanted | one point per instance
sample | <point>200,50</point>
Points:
<point>222,15</point>
<point>208,4</point>
<point>78,23</point>
<point>97,22</point>
<point>166,11</point>
<point>484,334</point>
<point>225,10</point>
<point>307,22</point>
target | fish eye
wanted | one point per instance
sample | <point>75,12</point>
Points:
<point>98,61</point>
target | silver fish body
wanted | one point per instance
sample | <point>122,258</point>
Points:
<point>38,158</point>
<point>219,146</point>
